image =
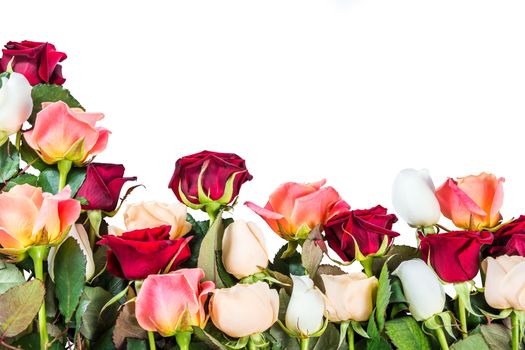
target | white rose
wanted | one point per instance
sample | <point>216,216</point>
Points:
<point>304,315</point>
<point>16,104</point>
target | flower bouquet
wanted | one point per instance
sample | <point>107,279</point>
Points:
<point>163,279</point>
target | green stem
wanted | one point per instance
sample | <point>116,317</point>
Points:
<point>305,342</point>
<point>367,265</point>
<point>183,340</point>
<point>462,317</point>
<point>18,140</point>
<point>64,166</point>
<point>515,331</point>
<point>350,337</point>
<point>442,339</point>
<point>151,340</point>
<point>39,254</point>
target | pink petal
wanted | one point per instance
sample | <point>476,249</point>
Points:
<point>314,208</point>
<point>283,198</point>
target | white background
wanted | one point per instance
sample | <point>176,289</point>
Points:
<point>351,91</point>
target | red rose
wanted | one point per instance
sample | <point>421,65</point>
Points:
<point>219,176</point>
<point>102,186</point>
<point>37,61</point>
<point>137,254</point>
<point>454,255</point>
<point>369,228</point>
<point>509,239</point>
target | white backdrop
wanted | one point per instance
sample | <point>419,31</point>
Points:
<point>351,91</point>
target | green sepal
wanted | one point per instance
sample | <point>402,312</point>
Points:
<point>442,320</point>
<point>463,290</point>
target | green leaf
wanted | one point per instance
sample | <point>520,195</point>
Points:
<point>329,339</point>
<point>198,232</point>
<point>291,265</point>
<point>9,161</point>
<point>136,344</point>
<point>383,297</point>
<point>311,256</point>
<point>406,334</point>
<point>127,326</point>
<point>10,276</point>
<point>104,342</point>
<point>211,339</point>
<point>475,341</point>
<point>497,336</point>
<point>31,157</point>
<point>50,93</point>
<point>70,272</point>
<point>378,343</point>
<point>395,256</point>
<point>19,306</point>
<point>49,179</point>
<point>92,322</point>
<point>22,179</point>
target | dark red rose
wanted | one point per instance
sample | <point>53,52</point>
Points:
<point>368,228</point>
<point>454,255</point>
<point>102,186</point>
<point>38,62</point>
<point>137,254</point>
<point>509,239</point>
<point>220,175</point>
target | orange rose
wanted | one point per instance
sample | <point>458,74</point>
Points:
<point>472,202</point>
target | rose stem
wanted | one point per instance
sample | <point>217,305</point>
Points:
<point>151,339</point>
<point>350,334</point>
<point>462,318</point>
<point>183,340</point>
<point>442,339</point>
<point>367,265</point>
<point>38,254</point>
<point>515,331</point>
<point>305,342</point>
<point>64,166</point>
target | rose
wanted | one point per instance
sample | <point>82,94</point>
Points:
<point>137,254</point>
<point>153,214</point>
<point>16,104</point>
<point>454,255</point>
<point>208,180</point>
<point>304,315</point>
<point>294,209</point>
<point>413,197</point>
<point>102,186</point>
<point>30,217</point>
<point>505,282</point>
<point>243,249</point>
<point>37,61</point>
<point>349,296</point>
<point>509,239</point>
<point>244,309</point>
<point>472,202</point>
<point>173,303</point>
<point>63,133</point>
<point>356,234</point>
<point>423,291</point>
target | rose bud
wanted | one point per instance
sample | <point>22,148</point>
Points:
<point>102,186</point>
<point>134,255</point>
<point>472,202</point>
<point>304,315</point>
<point>422,289</point>
<point>243,249</point>
<point>16,104</point>
<point>505,282</point>
<point>63,133</point>
<point>37,61</point>
<point>413,197</point>
<point>173,303</point>
<point>509,239</point>
<point>454,255</point>
<point>244,309</point>
<point>294,209</point>
<point>29,217</point>
<point>349,296</point>
<point>370,229</point>
<point>153,214</point>
<point>208,180</point>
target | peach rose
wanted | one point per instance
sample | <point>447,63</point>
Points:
<point>154,214</point>
<point>349,296</point>
<point>243,249</point>
<point>505,282</point>
<point>294,209</point>
<point>63,133</point>
<point>29,217</point>
<point>244,309</point>
<point>472,202</point>
<point>174,302</point>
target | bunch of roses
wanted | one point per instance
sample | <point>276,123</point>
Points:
<point>164,279</point>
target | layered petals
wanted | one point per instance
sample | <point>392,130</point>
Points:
<point>505,282</point>
<point>16,104</point>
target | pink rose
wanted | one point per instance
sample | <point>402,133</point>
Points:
<point>63,133</point>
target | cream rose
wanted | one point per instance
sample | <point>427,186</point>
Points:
<point>505,282</point>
